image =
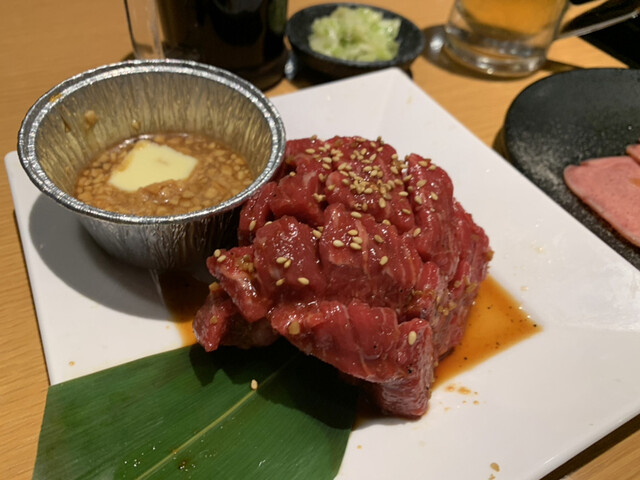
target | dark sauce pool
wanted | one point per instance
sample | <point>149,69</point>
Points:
<point>183,295</point>
<point>496,322</point>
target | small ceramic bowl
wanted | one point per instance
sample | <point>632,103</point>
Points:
<point>298,29</point>
<point>56,141</point>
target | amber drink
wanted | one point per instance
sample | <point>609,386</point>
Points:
<point>503,37</point>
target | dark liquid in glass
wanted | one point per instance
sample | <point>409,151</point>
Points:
<point>243,36</point>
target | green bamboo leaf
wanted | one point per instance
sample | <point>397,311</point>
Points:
<point>189,414</point>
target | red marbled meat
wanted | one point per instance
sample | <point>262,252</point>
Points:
<point>357,257</point>
<point>611,187</point>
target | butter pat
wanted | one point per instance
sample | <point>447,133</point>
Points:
<point>149,163</point>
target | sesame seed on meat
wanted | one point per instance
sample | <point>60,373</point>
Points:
<point>355,255</point>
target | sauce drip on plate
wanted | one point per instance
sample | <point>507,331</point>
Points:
<point>495,322</point>
<point>183,295</point>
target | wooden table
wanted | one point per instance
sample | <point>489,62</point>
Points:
<point>43,42</point>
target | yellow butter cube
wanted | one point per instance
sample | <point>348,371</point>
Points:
<point>149,163</point>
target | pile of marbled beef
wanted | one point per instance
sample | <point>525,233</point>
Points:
<point>358,257</point>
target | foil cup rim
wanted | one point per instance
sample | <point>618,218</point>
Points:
<point>38,111</point>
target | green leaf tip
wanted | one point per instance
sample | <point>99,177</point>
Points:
<point>191,414</point>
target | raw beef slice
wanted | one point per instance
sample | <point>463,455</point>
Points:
<point>610,186</point>
<point>357,257</point>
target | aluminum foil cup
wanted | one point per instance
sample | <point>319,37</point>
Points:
<point>69,125</point>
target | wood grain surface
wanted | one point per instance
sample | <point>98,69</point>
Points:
<point>43,42</point>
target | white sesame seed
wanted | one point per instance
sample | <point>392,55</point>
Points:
<point>217,253</point>
<point>254,384</point>
<point>294,328</point>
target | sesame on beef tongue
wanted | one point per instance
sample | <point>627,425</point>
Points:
<point>357,257</point>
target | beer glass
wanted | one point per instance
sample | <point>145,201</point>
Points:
<point>512,37</point>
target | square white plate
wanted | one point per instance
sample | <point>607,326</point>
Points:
<point>538,403</point>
